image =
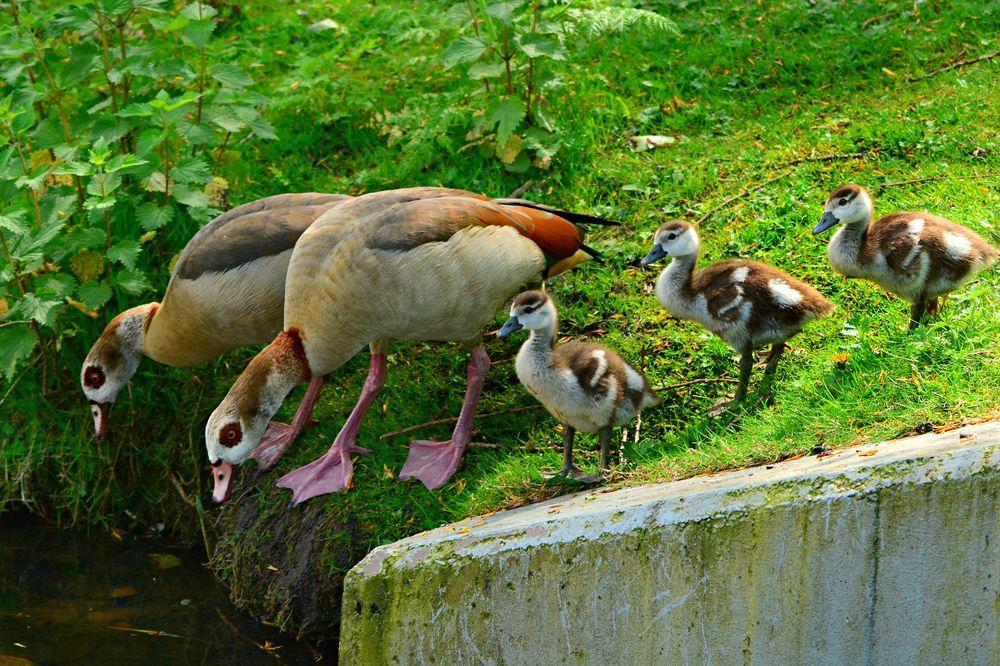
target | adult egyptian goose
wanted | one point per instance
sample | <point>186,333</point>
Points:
<point>746,303</point>
<point>226,291</point>
<point>917,256</point>
<point>586,386</point>
<point>424,263</point>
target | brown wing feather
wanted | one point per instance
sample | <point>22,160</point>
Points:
<point>261,228</point>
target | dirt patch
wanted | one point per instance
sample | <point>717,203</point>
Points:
<point>285,565</point>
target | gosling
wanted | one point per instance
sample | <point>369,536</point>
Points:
<point>916,256</point>
<point>586,386</point>
<point>746,303</point>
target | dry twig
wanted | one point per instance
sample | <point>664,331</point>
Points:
<point>452,419</point>
<point>954,65</point>
<point>744,193</point>
<point>830,158</point>
<point>929,178</point>
<point>704,380</point>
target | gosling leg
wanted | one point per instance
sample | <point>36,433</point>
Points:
<point>771,362</point>
<point>605,435</point>
<point>916,312</point>
<point>746,366</point>
<point>569,470</point>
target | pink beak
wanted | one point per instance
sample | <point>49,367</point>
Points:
<point>100,412</point>
<point>222,475</point>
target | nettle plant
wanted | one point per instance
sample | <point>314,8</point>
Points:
<point>115,131</point>
<point>522,50</point>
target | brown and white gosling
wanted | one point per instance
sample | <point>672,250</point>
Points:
<point>917,256</point>
<point>586,386</point>
<point>746,303</point>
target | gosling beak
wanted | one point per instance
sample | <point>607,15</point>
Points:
<point>100,410</point>
<point>828,221</point>
<point>222,475</point>
<point>511,326</point>
<point>655,254</point>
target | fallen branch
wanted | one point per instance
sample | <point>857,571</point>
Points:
<point>744,193</point>
<point>929,178</point>
<point>706,380</point>
<point>180,489</point>
<point>954,65</point>
<point>830,158</point>
<point>452,419</point>
<point>875,19</point>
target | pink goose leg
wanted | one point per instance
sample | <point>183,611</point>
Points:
<point>435,462</point>
<point>332,471</point>
<point>279,436</point>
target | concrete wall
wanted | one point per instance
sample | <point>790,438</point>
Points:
<point>880,554</point>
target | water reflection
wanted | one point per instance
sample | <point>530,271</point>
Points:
<point>70,598</point>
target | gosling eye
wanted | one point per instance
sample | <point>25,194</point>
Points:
<point>671,236</point>
<point>842,202</point>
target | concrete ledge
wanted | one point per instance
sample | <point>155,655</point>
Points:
<point>881,554</point>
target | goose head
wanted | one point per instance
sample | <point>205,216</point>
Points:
<point>237,426</point>
<point>673,239</point>
<point>850,204</point>
<point>533,310</point>
<point>113,360</point>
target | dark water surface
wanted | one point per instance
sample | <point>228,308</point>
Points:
<point>67,597</point>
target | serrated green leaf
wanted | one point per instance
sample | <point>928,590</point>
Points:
<point>189,196</point>
<point>127,163</point>
<point>195,133</point>
<point>84,237</point>
<point>125,252</point>
<point>43,311</point>
<point>230,75</point>
<point>152,216</point>
<point>534,45</point>
<point>191,170</point>
<point>131,280</point>
<point>14,223</point>
<point>505,115</point>
<point>262,128</point>
<point>198,11</point>
<point>139,110</point>
<point>504,11</point>
<point>199,33</point>
<point>75,169</point>
<point>227,121</point>
<point>485,70</point>
<point>465,49</point>
<point>56,284</point>
<point>16,345</point>
<point>94,294</point>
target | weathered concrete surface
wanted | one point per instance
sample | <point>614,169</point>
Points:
<point>880,554</point>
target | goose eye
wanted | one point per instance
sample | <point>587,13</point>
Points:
<point>93,377</point>
<point>671,236</point>
<point>842,202</point>
<point>231,435</point>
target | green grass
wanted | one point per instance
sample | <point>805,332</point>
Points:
<point>758,86</point>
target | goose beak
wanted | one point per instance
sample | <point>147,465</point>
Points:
<point>828,221</point>
<point>511,326</point>
<point>222,475</point>
<point>100,410</point>
<point>655,254</point>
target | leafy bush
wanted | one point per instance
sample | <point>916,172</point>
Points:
<point>115,133</point>
<point>513,50</point>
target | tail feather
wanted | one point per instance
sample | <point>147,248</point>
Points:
<point>594,254</point>
<point>575,218</point>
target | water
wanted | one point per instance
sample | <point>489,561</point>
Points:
<point>71,598</point>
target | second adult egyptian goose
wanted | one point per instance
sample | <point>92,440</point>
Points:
<point>227,290</point>
<point>421,263</point>
<point>586,386</point>
<point>917,256</point>
<point>746,303</point>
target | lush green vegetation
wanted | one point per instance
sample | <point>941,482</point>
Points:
<point>752,93</point>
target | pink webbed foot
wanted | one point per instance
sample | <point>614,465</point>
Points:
<point>276,440</point>
<point>330,473</point>
<point>433,463</point>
